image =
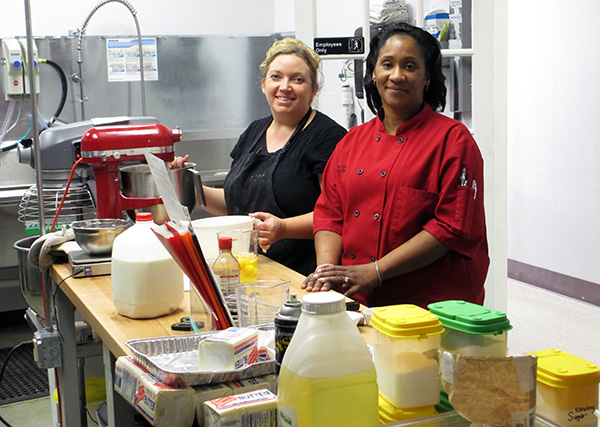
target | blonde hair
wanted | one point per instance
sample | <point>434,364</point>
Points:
<point>290,46</point>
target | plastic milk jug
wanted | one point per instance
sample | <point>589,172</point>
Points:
<point>327,376</point>
<point>146,280</point>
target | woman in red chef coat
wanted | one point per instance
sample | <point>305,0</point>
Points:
<point>400,219</point>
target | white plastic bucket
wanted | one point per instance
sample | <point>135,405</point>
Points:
<point>206,230</point>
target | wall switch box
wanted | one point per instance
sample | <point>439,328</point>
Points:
<point>12,68</point>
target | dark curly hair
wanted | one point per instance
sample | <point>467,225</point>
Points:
<point>435,94</point>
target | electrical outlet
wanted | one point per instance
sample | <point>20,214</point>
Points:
<point>47,349</point>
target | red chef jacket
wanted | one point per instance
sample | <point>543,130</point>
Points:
<point>380,190</point>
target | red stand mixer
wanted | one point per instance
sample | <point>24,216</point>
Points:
<point>105,148</point>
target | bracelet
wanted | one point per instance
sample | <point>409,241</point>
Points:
<point>378,274</point>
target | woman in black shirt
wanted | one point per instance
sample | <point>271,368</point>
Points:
<point>278,161</point>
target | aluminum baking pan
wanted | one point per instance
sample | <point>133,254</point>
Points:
<point>174,360</point>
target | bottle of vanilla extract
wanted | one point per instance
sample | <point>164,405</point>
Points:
<point>227,272</point>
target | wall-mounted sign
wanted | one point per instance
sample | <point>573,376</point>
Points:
<point>340,46</point>
<point>123,59</point>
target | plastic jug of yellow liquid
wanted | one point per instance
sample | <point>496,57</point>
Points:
<point>327,376</point>
<point>146,280</point>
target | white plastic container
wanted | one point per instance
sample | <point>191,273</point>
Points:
<point>146,280</point>
<point>567,388</point>
<point>327,376</point>
<point>472,329</point>
<point>206,230</point>
<point>405,336</point>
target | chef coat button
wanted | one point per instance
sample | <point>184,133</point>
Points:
<point>378,138</point>
<point>376,216</point>
<point>356,213</point>
<point>372,259</point>
<point>383,173</point>
<point>352,255</point>
<point>360,171</point>
<point>400,140</point>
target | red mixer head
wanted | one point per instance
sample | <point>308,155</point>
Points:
<point>116,144</point>
<point>104,148</point>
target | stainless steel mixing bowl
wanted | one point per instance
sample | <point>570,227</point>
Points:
<point>137,181</point>
<point>96,236</point>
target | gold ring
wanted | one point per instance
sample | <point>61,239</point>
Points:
<point>347,280</point>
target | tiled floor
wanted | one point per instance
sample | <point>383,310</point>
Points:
<point>541,320</point>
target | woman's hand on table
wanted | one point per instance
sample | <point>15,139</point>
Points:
<point>346,279</point>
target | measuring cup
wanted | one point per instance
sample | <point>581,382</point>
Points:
<point>259,300</point>
<point>244,248</point>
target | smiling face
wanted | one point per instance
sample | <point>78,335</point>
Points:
<point>288,86</point>
<point>400,76</point>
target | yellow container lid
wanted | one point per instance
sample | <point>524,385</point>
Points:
<point>388,413</point>
<point>555,368</point>
<point>406,321</point>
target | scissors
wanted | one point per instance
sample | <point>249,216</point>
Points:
<point>185,324</point>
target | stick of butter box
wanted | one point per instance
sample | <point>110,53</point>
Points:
<point>233,348</point>
<point>162,405</point>
<point>208,392</point>
<point>254,409</point>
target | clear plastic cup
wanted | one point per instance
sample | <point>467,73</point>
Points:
<point>245,249</point>
<point>258,301</point>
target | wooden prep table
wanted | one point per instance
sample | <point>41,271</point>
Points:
<point>91,296</point>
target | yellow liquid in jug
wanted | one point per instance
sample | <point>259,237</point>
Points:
<point>344,401</point>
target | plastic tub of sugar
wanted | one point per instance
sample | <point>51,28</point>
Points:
<point>388,413</point>
<point>471,329</point>
<point>567,389</point>
<point>405,342</point>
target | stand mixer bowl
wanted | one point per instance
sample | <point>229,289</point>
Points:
<point>137,181</point>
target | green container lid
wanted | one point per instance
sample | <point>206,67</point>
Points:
<point>470,318</point>
<point>444,405</point>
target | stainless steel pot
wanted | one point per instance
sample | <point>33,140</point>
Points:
<point>30,278</point>
<point>137,181</point>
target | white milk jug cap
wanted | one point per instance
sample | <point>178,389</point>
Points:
<point>323,303</point>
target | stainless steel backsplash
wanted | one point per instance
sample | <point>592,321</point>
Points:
<point>209,86</point>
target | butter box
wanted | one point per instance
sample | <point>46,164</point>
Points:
<point>160,404</point>
<point>233,348</point>
<point>251,384</point>
<point>204,393</point>
<point>216,391</point>
<point>255,409</point>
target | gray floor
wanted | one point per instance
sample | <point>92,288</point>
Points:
<point>544,320</point>
<point>541,320</point>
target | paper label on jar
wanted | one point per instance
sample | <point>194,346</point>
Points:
<point>286,416</point>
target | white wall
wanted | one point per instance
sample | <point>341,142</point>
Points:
<point>156,17</point>
<point>554,136</point>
